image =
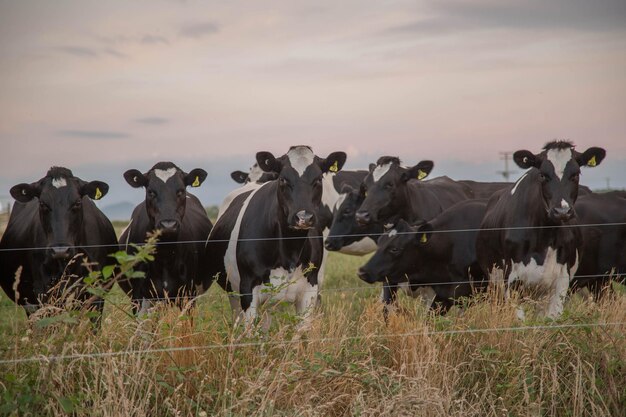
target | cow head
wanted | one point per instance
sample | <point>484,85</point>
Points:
<point>344,226</point>
<point>166,194</point>
<point>299,174</point>
<point>385,188</point>
<point>557,172</point>
<point>255,174</point>
<point>399,252</point>
<point>61,196</point>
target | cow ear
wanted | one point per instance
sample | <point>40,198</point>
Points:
<point>346,189</point>
<point>195,177</point>
<point>424,233</point>
<point>25,192</point>
<point>591,157</point>
<point>135,178</point>
<point>239,177</point>
<point>333,162</point>
<point>95,189</point>
<point>268,163</point>
<point>525,159</point>
<point>419,171</point>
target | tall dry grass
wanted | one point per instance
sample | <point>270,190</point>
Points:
<point>350,363</point>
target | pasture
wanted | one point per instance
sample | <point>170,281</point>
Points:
<point>478,360</point>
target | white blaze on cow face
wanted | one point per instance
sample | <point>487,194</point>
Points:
<point>165,174</point>
<point>559,159</point>
<point>59,182</point>
<point>564,204</point>
<point>518,183</point>
<point>380,171</point>
<point>255,173</point>
<point>300,158</point>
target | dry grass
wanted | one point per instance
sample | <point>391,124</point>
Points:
<point>349,363</point>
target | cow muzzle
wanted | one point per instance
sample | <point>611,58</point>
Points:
<point>60,252</point>
<point>169,226</point>
<point>363,217</point>
<point>561,214</point>
<point>332,244</point>
<point>366,276</point>
<point>304,220</point>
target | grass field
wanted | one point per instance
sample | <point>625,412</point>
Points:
<point>350,362</point>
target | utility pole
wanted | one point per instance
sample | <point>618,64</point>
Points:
<point>506,156</point>
<point>608,183</point>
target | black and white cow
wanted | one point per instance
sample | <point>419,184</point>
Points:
<point>345,234</point>
<point>529,234</point>
<point>440,254</point>
<point>255,174</point>
<point>602,217</point>
<point>267,244</point>
<point>484,189</point>
<point>58,219</point>
<point>391,195</point>
<point>179,268</point>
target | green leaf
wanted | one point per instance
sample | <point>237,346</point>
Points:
<point>107,271</point>
<point>67,404</point>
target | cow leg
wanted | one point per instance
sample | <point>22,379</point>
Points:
<point>557,296</point>
<point>306,300</point>
<point>146,306</point>
<point>249,302</point>
<point>388,297</point>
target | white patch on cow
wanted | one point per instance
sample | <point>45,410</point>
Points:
<point>425,294</point>
<point>230,257</point>
<point>146,306</point>
<point>59,182</point>
<point>255,173</point>
<point>340,200</point>
<point>559,159</point>
<point>518,183</point>
<point>233,194</point>
<point>165,284</point>
<point>393,232</point>
<point>564,204</point>
<point>380,171</point>
<point>165,174</point>
<point>330,195</point>
<point>300,158</point>
<point>551,277</point>
<point>127,228</point>
<point>30,308</point>
<point>361,247</point>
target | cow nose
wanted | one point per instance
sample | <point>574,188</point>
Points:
<point>363,217</point>
<point>562,213</point>
<point>60,252</point>
<point>304,218</point>
<point>170,225</point>
<point>364,275</point>
<point>331,244</point>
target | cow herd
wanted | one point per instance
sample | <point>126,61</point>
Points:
<point>440,239</point>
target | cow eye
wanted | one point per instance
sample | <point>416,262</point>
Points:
<point>388,186</point>
<point>151,194</point>
<point>347,211</point>
<point>180,193</point>
<point>544,177</point>
<point>576,177</point>
<point>77,204</point>
<point>283,181</point>
<point>44,207</point>
<point>394,250</point>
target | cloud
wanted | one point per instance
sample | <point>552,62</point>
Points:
<point>92,134</point>
<point>84,52</point>
<point>152,120</point>
<point>78,51</point>
<point>578,15</point>
<point>154,40</point>
<point>199,30</point>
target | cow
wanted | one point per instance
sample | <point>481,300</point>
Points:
<point>484,189</point>
<point>390,195</point>
<point>53,231</point>
<point>440,253</point>
<point>254,175</point>
<point>602,217</point>
<point>345,234</point>
<point>529,235</point>
<point>180,267</point>
<point>268,244</point>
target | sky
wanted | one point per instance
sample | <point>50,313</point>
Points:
<point>102,87</point>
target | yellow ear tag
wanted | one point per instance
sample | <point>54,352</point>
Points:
<point>592,162</point>
<point>421,174</point>
<point>423,239</point>
<point>334,167</point>
<point>196,182</point>
<point>98,195</point>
